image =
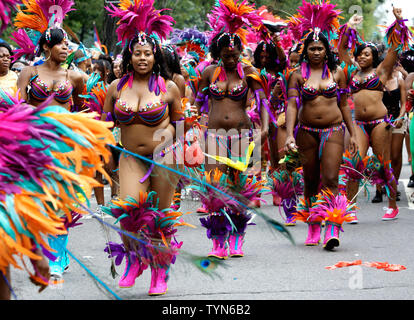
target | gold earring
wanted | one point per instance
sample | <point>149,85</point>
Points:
<point>50,54</point>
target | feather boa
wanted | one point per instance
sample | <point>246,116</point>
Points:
<point>27,48</point>
<point>354,167</point>
<point>335,208</point>
<point>6,7</point>
<point>47,153</point>
<point>380,172</point>
<point>399,38</point>
<point>286,185</point>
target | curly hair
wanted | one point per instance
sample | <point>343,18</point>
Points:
<point>159,67</point>
<point>222,40</point>
<point>270,49</point>
<point>57,35</point>
<point>375,53</point>
<point>332,62</point>
<point>171,59</point>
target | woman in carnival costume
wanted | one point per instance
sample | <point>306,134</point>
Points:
<point>373,125</point>
<point>146,105</point>
<point>191,45</point>
<point>317,99</point>
<point>40,32</point>
<point>226,84</point>
<point>270,60</point>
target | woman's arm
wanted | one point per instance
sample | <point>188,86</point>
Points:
<point>292,110</point>
<point>345,110</point>
<point>78,89</point>
<point>348,30</point>
<point>108,107</point>
<point>403,100</point>
<point>23,82</point>
<point>202,95</point>
<point>386,68</point>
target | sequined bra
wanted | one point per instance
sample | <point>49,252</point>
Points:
<point>310,93</point>
<point>371,82</point>
<point>152,114</point>
<point>40,91</point>
<point>239,92</point>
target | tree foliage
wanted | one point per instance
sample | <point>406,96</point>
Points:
<point>190,13</point>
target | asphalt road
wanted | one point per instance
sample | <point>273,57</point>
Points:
<point>272,268</point>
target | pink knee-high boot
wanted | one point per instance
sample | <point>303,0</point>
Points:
<point>314,234</point>
<point>331,240</point>
<point>132,271</point>
<point>219,250</point>
<point>159,278</point>
<point>235,245</point>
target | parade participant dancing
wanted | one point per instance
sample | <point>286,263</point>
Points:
<point>49,81</point>
<point>146,104</point>
<point>317,98</point>
<point>50,78</point>
<point>226,83</point>
<point>373,126</point>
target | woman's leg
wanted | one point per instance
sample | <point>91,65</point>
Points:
<point>381,146</point>
<point>331,161</point>
<point>4,287</point>
<point>131,170</point>
<point>308,145</point>
<point>363,144</point>
<point>397,142</point>
<point>99,191</point>
<point>274,135</point>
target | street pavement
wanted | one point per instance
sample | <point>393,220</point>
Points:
<point>272,268</point>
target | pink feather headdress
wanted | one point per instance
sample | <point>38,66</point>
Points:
<point>139,18</point>
<point>318,17</point>
<point>6,7</point>
<point>234,18</point>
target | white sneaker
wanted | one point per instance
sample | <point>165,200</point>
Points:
<point>354,219</point>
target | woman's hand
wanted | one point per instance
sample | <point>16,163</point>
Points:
<point>290,144</point>
<point>353,146</point>
<point>398,123</point>
<point>397,13</point>
<point>42,271</point>
<point>355,20</point>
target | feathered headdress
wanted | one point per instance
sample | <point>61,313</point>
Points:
<point>317,17</point>
<point>230,17</point>
<point>139,18</point>
<point>39,16</point>
<point>5,10</point>
<point>190,42</point>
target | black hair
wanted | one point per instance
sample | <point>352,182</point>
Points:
<point>104,62</point>
<point>295,49</point>
<point>375,54</point>
<point>7,46</point>
<point>57,35</point>
<point>222,40</point>
<point>407,60</point>
<point>172,59</point>
<point>270,49</point>
<point>159,67</point>
<point>332,62</point>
